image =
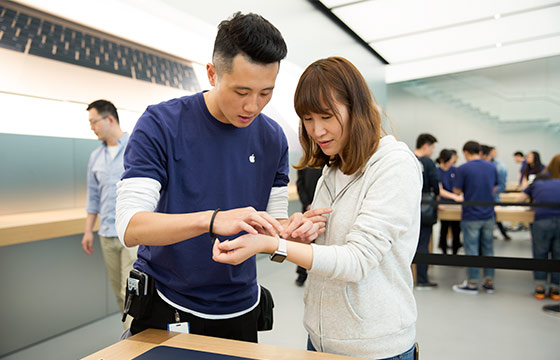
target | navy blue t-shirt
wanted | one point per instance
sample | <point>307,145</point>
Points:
<point>477,178</point>
<point>204,164</point>
<point>545,191</point>
<point>447,180</point>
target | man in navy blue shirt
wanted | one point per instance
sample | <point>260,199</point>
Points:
<point>204,166</point>
<point>477,180</point>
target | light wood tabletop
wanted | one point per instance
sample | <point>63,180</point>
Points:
<point>148,339</point>
<point>453,212</point>
<point>41,225</point>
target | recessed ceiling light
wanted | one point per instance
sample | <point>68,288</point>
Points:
<point>497,16</point>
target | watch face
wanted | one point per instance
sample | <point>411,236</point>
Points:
<point>277,257</point>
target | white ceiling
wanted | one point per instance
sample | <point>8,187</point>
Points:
<point>434,37</point>
<point>437,42</point>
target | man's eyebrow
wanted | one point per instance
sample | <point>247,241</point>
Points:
<point>250,89</point>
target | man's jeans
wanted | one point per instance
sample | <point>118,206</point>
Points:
<point>478,239</point>
<point>546,245</point>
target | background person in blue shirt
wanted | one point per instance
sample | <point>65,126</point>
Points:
<point>489,153</point>
<point>105,169</point>
<point>477,180</point>
<point>446,174</point>
<point>189,157</point>
<point>545,230</point>
<point>519,158</point>
<point>533,167</point>
<point>425,144</point>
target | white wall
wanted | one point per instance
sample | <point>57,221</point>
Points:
<point>452,127</point>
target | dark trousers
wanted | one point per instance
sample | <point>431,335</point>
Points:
<point>423,242</point>
<point>455,231</point>
<point>502,229</point>
<point>159,314</point>
<point>302,272</point>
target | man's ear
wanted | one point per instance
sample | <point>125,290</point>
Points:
<point>212,75</point>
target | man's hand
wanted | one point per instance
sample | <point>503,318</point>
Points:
<point>87,243</point>
<point>247,219</point>
<point>306,227</point>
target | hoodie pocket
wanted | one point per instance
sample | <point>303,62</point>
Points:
<point>349,306</point>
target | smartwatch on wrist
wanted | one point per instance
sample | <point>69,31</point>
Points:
<point>281,253</point>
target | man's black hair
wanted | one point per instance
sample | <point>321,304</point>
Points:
<point>518,153</point>
<point>425,139</point>
<point>472,147</point>
<point>250,35</point>
<point>485,149</point>
<point>104,108</point>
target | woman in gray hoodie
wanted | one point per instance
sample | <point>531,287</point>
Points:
<point>359,298</point>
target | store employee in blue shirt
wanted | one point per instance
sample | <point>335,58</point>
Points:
<point>105,169</point>
<point>190,156</point>
<point>477,180</point>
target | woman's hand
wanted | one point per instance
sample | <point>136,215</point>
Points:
<point>240,249</point>
<point>306,227</point>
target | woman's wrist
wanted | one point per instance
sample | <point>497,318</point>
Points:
<point>271,244</point>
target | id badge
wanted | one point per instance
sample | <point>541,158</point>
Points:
<point>181,327</point>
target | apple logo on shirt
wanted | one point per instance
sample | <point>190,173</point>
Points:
<point>252,158</point>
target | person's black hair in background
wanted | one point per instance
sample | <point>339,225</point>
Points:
<point>425,139</point>
<point>445,155</point>
<point>472,147</point>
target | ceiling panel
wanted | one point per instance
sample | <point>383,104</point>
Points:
<point>380,19</point>
<point>471,37</point>
<point>440,36</point>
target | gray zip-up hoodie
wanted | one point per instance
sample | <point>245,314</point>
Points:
<point>359,298</point>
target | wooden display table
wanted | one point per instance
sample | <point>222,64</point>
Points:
<point>41,225</point>
<point>509,197</point>
<point>144,341</point>
<point>503,213</point>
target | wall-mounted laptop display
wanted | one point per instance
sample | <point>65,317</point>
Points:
<point>34,34</point>
<point>49,57</point>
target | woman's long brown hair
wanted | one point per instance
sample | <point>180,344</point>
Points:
<point>323,82</point>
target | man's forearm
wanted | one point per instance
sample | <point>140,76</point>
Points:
<point>90,222</point>
<point>151,228</point>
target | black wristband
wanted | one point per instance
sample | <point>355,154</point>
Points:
<point>212,235</point>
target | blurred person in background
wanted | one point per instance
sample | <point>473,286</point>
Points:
<point>105,168</point>
<point>425,144</point>
<point>545,230</point>
<point>519,158</point>
<point>477,180</point>
<point>489,153</point>
<point>532,169</point>
<point>446,174</point>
